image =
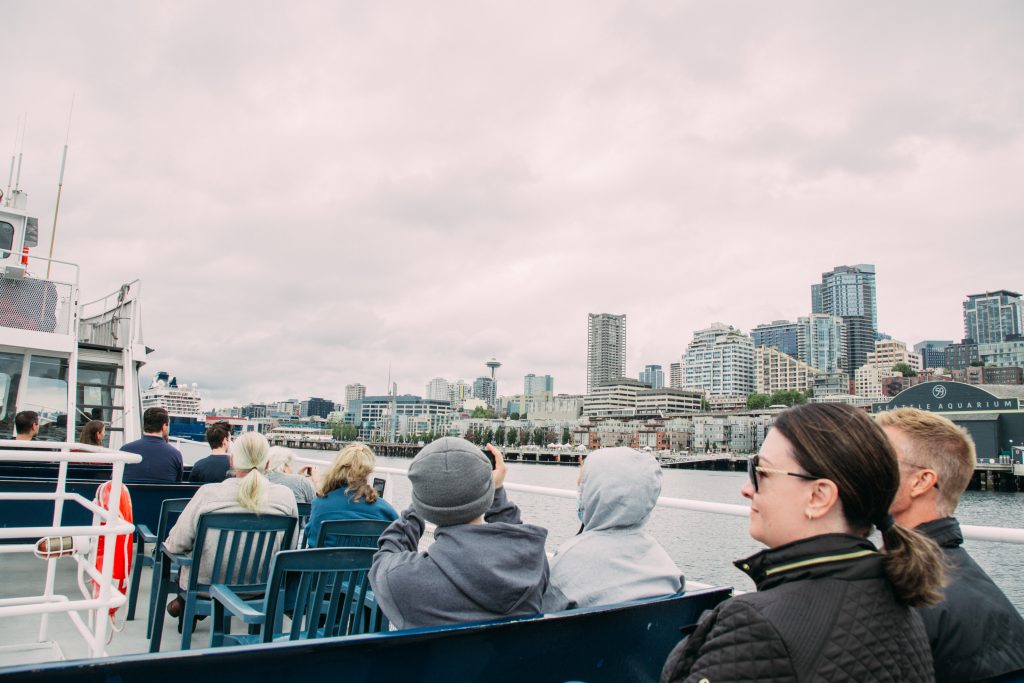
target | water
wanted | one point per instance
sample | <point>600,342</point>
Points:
<point>704,545</point>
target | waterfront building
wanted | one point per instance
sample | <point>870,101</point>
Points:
<point>538,386</point>
<point>254,410</point>
<point>1008,353</point>
<point>437,389</point>
<point>777,371</point>
<point>719,361</point>
<point>485,389</point>
<point>353,392</point>
<point>653,376</point>
<point>959,356</point>
<point>933,352</point>
<point>315,406</point>
<point>821,342</point>
<point>993,316</point>
<point>560,408</point>
<point>675,374</point>
<point>606,348</point>
<point>613,398</point>
<point>668,401</point>
<point>378,418</point>
<point>849,292</point>
<point>778,334</point>
<point>726,404</point>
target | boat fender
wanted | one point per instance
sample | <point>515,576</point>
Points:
<point>123,544</point>
<point>24,256</point>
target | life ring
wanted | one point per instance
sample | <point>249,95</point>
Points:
<point>123,545</point>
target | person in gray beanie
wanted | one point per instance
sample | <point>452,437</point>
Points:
<point>484,562</point>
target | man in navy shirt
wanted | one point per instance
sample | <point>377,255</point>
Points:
<point>161,462</point>
<point>214,467</point>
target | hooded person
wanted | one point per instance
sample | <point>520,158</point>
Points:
<point>613,559</point>
<point>484,562</point>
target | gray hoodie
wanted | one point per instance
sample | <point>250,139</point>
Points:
<point>613,559</point>
<point>472,572</point>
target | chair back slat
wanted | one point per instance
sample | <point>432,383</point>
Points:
<point>244,545</point>
<point>350,533</point>
<point>170,510</point>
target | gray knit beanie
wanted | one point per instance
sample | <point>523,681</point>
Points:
<point>451,482</point>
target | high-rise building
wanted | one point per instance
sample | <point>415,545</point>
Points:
<point>606,348</point>
<point>821,342</point>
<point>777,371</point>
<point>960,356</point>
<point>675,375</point>
<point>849,292</point>
<point>459,392</point>
<point>719,360</point>
<point>353,392</point>
<point>485,389</point>
<point>993,316</point>
<point>778,334</point>
<point>538,386</point>
<point>319,407</point>
<point>889,352</point>
<point>437,389</point>
<point>653,376</point>
<point>933,352</point>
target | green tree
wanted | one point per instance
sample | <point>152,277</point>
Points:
<point>704,405</point>
<point>566,435</point>
<point>758,401</point>
<point>499,435</point>
<point>905,369</point>
<point>513,416</point>
<point>488,437</point>
<point>538,436</point>
<point>787,397</point>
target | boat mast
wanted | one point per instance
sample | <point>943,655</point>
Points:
<point>60,188</point>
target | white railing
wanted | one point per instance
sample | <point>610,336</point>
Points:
<point>106,524</point>
<point>971,532</point>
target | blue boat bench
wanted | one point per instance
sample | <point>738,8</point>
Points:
<point>623,642</point>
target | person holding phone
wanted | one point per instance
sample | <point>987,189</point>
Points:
<point>345,492</point>
<point>484,562</point>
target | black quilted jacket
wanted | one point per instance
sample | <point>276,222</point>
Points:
<point>824,611</point>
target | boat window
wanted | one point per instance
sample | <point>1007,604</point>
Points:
<point>10,378</point>
<point>6,239</point>
<point>47,394</point>
<point>96,395</point>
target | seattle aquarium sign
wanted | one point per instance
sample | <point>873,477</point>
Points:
<point>947,397</point>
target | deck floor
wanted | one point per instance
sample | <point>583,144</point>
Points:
<point>25,575</point>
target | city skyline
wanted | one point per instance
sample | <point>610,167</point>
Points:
<point>352,193</point>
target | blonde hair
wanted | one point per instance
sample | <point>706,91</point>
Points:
<point>249,454</point>
<point>350,469</point>
<point>936,443</point>
<point>280,457</point>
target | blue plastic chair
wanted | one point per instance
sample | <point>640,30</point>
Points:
<point>305,510</point>
<point>170,509</point>
<point>324,591</point>
<point>245,545</point>
<point>350,533</point>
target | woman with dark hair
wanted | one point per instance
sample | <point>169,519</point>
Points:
<point>829,605</point>
<point>92,433</point>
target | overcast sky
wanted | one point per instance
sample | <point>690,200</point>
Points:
<point>314,192</point>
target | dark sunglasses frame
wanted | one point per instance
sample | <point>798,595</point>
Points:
<point>754,467</point>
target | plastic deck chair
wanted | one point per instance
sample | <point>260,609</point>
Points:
<point>245,545</point>
<point>350,533</point>
<point>300,532</point>
<point>170,509</point>
<point>324,591</point>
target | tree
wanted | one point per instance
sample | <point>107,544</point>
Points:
<point>538,436</point>
<point>481,412</point>
<point>787,397</point>
<point>905,369</point>
<point>511,438</point>
<point>488,437</point>
<point>758,401</point>
<point>704,405</point>
<point>499,435</point>
<point>513,416</point>
<point>566,436</point>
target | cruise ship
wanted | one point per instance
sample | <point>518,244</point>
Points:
<point>182,402</point>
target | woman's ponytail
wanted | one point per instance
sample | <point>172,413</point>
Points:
<point>249,452</point>
<point>915,566</point>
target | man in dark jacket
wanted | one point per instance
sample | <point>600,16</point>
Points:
<point>161,462</point>
<point>214,467</point>
<point>976,633</point>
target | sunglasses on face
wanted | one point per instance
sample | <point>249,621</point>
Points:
<point>754,469</point>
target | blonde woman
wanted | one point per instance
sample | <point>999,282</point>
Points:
<point>247,491</point>
<point>345,492</point>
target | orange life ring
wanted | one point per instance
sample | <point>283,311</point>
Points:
<point>123,545</point>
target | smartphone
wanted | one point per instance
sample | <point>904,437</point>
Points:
<point>490,456</point>
<point>378,486</point>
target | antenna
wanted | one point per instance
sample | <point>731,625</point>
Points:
<point>60,188</point>
<point>21,149</point>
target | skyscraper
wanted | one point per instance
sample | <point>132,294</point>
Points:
<point>653,376</point>
<point>821,342</point>
<point>933,352</point>
<point>993,316</point>
<point>675,375</point>
<point>485,389</point>
<point>437,389</point>
<point>538,386</point>
<point>606,348</point>
<point>353,392</point>
<point>849,292</point>
<point>719,360</point>
<point>778,334</point>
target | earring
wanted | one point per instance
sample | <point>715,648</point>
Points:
<point>809,515</point>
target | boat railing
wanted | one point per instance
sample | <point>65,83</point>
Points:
<point>39,303</point>
<point>971,532</point>
<point>113,320</point>
<point>107,524</point>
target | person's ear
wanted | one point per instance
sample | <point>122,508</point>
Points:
<point>922,481</point>
<point>822,497</point>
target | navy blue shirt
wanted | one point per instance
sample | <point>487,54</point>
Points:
<point>161,462</point>
<point>211,469</point>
